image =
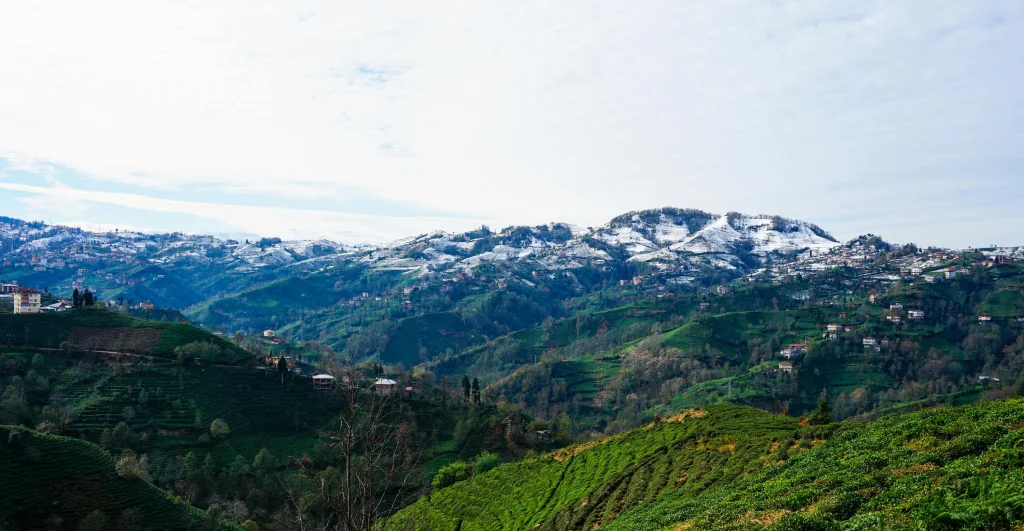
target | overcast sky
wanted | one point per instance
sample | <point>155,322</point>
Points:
<point>369,121</point>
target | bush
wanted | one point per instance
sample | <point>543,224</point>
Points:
<point>485,462</point>
<point>450,474</point>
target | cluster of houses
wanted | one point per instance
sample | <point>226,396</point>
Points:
<point>895,313</point>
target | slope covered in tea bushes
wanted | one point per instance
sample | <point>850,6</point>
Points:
<point>46,479</point>
<point>736,468</point>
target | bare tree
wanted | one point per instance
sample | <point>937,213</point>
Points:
<point>374,445</point>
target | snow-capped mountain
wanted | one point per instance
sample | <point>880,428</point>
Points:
<point>667,240</point>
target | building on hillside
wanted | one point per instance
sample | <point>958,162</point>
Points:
<point>832,336</point>
<point>834,328</point>
<point>27,300</point>
<point>870,342</point>
<point>58,306</point>
<point>873,298</point>
<point>799,347</point>
<point>950,273</point>
<point>915,314</point>
<point>915,271</point>
<point>786,367</point>
<point>984,318</point>
<point>9,287</point>
<point>623,282</point>
<point>323,382</point>
<point>385,386</point>
<point>894,318</point>
<point>637,280</point>
<point>705,305</point>
<point>895,307</point>
<point>268,333</point>
<point>146,305</point>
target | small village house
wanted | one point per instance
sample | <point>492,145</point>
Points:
<point>984,318</point>
<point>895,307</point>
<point>916,314</point>
<point>870,342</point>
<point>27,300</point>
<point>786,367</point>
<point>323,382</point>
<point>385,386</point>
<point>834,328</point>
<point>147,305</point>
<point>268,333</point>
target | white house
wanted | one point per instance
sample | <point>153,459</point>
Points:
<point>786,366</point>
<point>268,333</point>
<point>984,318</point>
<point>870,342</point>
<point>916,314</point>
<point>834,328</point>
<point>895,307</point>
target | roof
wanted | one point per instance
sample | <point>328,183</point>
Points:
<point>385,381</point>
<point>323,377</point>
<point>30,291</point>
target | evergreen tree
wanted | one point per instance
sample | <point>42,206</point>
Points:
<point>76,299</point>
<point>476,391</point>
<point>465,386</point>
<point>822,415</point>
<point>87,299</point>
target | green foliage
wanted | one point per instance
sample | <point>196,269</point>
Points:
<point>941,468</point>
<point>43,476</point>
<point>451,474</point>
<point>219,429</point>
<point>486,461</point>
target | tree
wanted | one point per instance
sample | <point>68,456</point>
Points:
<point>476,391</point>
<point>76,299</point>
<point>38,362</point>
<point>282,368</point>
<point>219,429</point>
<point>823,414</point>
<point>465,386</point>
<point>374,447</point>
<point>87,299</point>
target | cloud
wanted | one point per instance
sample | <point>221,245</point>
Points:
<point>533,112</point>
<point>268,221</point>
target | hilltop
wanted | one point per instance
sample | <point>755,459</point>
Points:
<point>48,480</point>
<point>726,467</point>
<point>108,331</point>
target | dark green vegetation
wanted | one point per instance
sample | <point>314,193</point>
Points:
<point>614,369</point>
<point>53,481</point>
<point>109,331</point>
<point>726,467</point>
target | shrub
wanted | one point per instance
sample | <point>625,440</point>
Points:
<point>485,462</point>
<point>450,474</point>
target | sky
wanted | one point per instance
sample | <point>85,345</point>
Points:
<point>372,121</point>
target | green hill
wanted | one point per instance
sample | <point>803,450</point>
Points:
<point>102,330</point>
<point>46,480</point>
<point>728,467</point>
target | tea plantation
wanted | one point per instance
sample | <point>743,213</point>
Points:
<point>47,481</point>
<point>108,331</point>
<point>728,467</point>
